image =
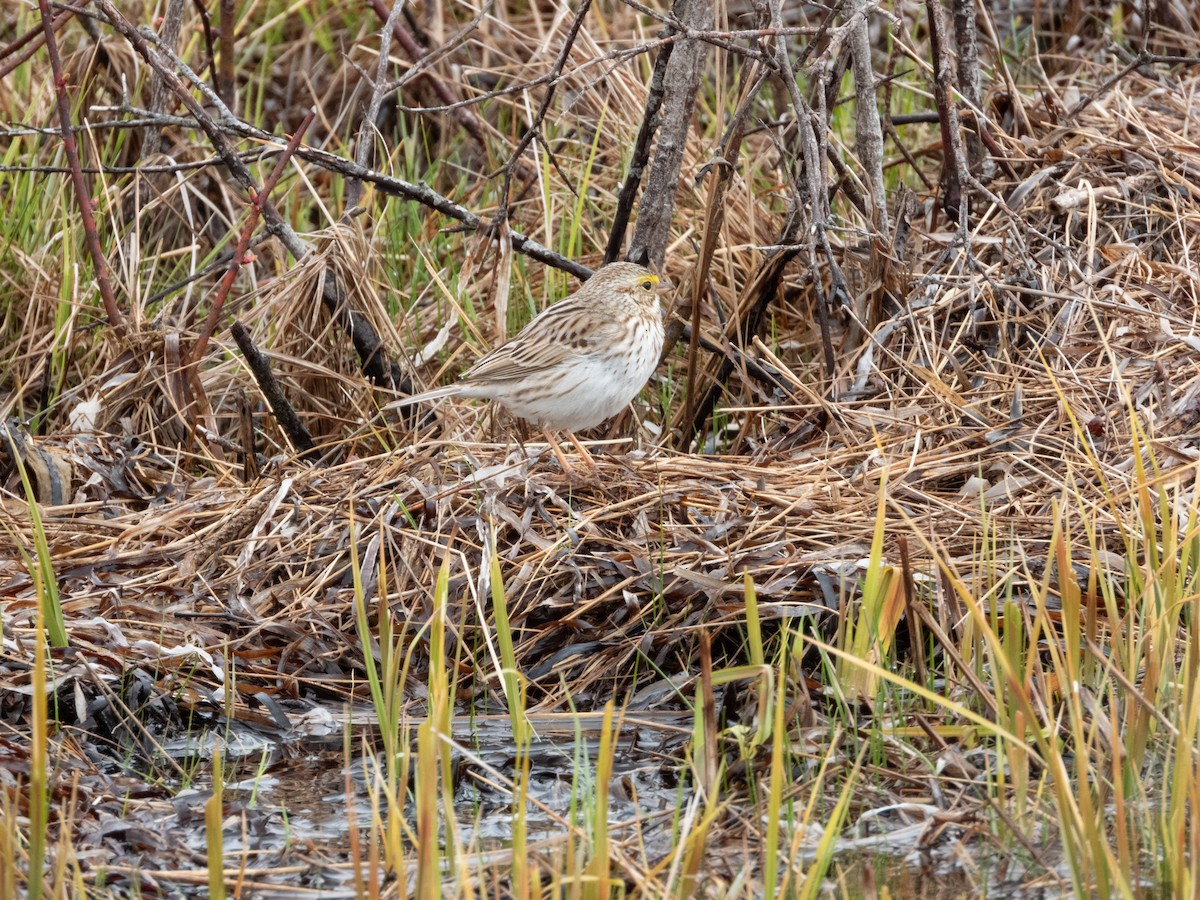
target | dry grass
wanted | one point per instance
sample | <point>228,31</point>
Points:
<point>988,390</point>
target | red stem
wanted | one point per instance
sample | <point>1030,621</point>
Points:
<point>256,204</point>
<point>99,263</point>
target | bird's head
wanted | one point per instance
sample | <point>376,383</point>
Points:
<point>631,280</point>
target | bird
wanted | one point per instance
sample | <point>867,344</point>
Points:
<point>577,363</point>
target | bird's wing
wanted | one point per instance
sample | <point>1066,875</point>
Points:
<point>563,332</point>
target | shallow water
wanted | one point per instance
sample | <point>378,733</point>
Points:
<point>291,806</point>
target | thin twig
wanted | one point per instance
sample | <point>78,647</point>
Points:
<point>423,59</point>
<point>377,363</point>
<point>164,169</point>
<point>535,126</point>
<point>239,254</point>
<point>845,183</point>
<point>890,122</point>
<point>758,294</point>
<point>1142,59</point>
<point>388,184</point>
<point>366,139</point>
<point>209,40</point>
<point>738,357</point>
<point>92,236</point>
<point>811,188</point>
<point>203,272</point>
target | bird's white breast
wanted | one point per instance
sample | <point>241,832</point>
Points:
<point>588,389</point>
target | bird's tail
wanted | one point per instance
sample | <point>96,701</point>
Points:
<point>449,390</point>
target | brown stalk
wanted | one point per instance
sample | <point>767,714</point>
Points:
<point>756,299</point>
<point>720,174</point>
<point>250,471</point>
<point>708,717</point>
<point>209,42</point>
<point>200,273</point>
<point>258,200</point>
<point>910,614</point>
<point>91,235</point>
<point>280,407</point>
<point>225,77</point>
<point>952,653</point>
<point>954,162</point>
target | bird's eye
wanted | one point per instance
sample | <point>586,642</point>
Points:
<point>647,285</point>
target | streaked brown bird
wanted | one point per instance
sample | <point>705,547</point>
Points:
<point>579,362</point>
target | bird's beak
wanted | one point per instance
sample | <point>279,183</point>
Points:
<point>665,283</point>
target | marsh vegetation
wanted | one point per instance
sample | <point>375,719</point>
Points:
<point>888,578</point>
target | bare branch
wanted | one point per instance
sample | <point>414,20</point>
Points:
<point>159,91</point>
<point>35,37</point>
<point>970,80</point>
<point>424,59</point>
<point>955,173</point>
<point>225,79</point>
<point>1142,59</point>
<point>641,153</point>
<point>284,414</point>
<point>811,188</point>
<point>377,363</point>
<point>682,80</point>
<point>868,134</point>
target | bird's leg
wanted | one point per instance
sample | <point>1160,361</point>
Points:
<point>583,452</point>
<point>521,434</point>
<point>562,460</point>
